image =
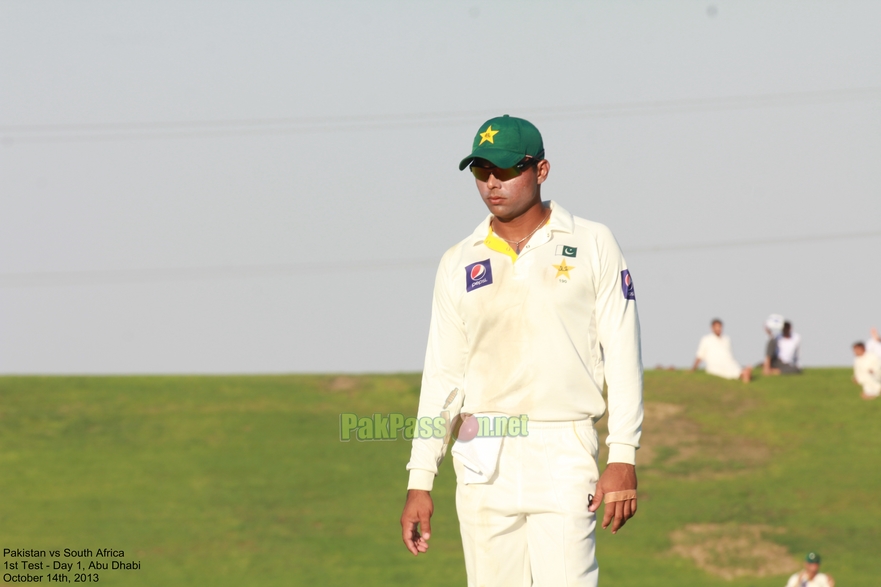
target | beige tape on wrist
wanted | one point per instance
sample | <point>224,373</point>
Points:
<point>619,496</point>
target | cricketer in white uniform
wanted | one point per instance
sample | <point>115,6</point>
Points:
<point>867,371</point>
<point>531,314</point>
<point>811,575</point>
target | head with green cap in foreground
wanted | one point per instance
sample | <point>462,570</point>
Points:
<point>812,565</point>
<point>507,160</point>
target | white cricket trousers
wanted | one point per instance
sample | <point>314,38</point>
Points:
<point>871,387</point>
<point>529,525</point>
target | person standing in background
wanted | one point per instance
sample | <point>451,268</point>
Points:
<point>873,345</point>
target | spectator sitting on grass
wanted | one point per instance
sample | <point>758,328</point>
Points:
<point>781,355</point>
<point>867,371</point>
<point>773,327</point>
<point>715,351</point>
<point>811,575</point>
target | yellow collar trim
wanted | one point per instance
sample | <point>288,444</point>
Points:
<point>500,246</point>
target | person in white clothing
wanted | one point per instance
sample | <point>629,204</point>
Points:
<point>873,345</point>
<point>531,314</point>
<point>866,371</point>
<point>788,346</point>
<point>715,352</point>
<point>811,575</point>
<point>781,355</point>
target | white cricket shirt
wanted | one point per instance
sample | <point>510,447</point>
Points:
<point>533,335</point>
<point>715,352</point>
<point>787,349</point>
<point>801,580</point>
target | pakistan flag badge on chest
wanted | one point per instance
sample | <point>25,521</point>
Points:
<point>566,251</point>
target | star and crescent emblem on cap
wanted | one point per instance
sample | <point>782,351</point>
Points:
<point>487,135</point>
<point>563,269</point>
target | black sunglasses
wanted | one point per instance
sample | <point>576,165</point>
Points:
<point>483,173</point>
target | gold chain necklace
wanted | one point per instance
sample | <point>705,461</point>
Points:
<point>516,244</point>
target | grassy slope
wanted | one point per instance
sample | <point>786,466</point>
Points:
<point>243,480</point>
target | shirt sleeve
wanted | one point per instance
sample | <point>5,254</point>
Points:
<point>442,380</point>
<point>701,350</point>
<point>619,338</point>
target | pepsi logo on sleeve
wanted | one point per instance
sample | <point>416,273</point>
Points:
<point>478,275</point>
<point>627,285</point>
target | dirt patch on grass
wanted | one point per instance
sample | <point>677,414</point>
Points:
<point>674,445</point>
<point>733,550</point>
<point>357,384</point>
<point>342,383</point>
<point>665,428</point>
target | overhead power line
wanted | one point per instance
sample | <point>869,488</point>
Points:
<point>150,275</point>
<point>171,274</point>
<point>11,134</point>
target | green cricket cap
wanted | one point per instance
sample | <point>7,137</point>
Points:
<point>504,141</point>
<point>813,557</point>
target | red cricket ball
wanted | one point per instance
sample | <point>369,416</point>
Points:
<point>469,428</point>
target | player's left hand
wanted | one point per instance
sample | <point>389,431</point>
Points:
<point>616,477</point>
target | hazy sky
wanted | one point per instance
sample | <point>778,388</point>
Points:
<point>268,186</point>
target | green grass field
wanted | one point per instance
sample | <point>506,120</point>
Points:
<point>244,481</point>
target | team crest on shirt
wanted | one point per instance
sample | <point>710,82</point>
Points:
<point>627,285</point>
<point>563,269</point>
<point>478,275</point>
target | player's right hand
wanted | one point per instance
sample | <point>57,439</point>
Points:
<point>416,517</point>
